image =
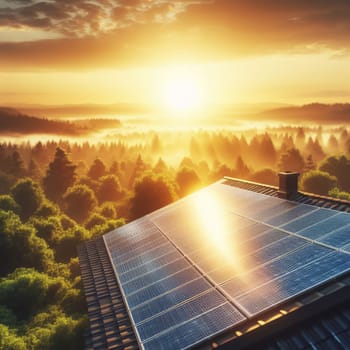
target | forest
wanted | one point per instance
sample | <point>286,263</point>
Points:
<point>56,194</point>
<point>18,123</point>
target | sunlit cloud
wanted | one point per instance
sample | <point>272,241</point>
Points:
<point>81,18</point>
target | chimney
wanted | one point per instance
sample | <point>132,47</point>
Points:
<point>288,184</point>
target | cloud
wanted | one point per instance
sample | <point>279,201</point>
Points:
<point>111,33</point>
<point>81,18</point>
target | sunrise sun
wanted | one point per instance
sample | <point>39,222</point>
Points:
<point>181,94</point>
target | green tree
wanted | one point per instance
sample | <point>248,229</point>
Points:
<point>7,203</point>
<point>310,164</point>
<point>24,291</point>
<point>60,175</point>
<point>47,208</point>
<point>109,189</point>
<point>34,171</point>
<point>97,169</point>
<point>114,168</point>
<point>66,245</point>
<point>15,165</point>
<point>291,160</point>
<point>108,210</point>
<point>9,340</point>
<point>7,316</point>
<point>151,194</point>
<point>95,219</point>
<point>57,332</point>
<point>79,202</point>
<point>19,245</point>
<point>340,168</point>
<point>265,176</point>
<point>336,193</point>
<point>6,181</point>
<point>187,180</point>
<point>47,228</point>
<point>241,168</point>
<point>160,167</point>
<point>318,182</point>
<point>28,195</point>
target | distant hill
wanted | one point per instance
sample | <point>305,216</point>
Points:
<point>15,122</point>
<point>86,110</point>
<point>315,112</point>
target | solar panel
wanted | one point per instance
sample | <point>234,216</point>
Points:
<point>180,314</point>
<point>166,301</point>
<point>274,269</point>
<point>292,284</point>
<point>300,223</point>
<point>338,238</point>
<point>162,286</point>
<point>303,209</point>
<point>204,264</point>
<point>150,266</point>
<point>155,275</point>
<point>196,330</point>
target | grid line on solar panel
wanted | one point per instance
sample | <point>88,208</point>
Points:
<point>259,257</point>
<point>337,238</point>
<point>181,314</point>
<point>154,276</point>
<point>172,298</point>
<point>156,263</point>
<point>289,215</point>
<point>323,227</point>
<point>275,269</point>
<point>294,283</point>
<point>162,286</point>
<point>197,330</point>
<point>136,238</point>
<point>138,250</point>
<point>304,221</point>
<point>147,257</point>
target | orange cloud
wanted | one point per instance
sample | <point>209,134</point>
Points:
<point>112,33</point>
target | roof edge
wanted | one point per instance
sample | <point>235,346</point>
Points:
<point>308,194</point>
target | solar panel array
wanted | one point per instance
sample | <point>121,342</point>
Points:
<point>214,259</point>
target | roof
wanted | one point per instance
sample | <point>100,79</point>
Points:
<point>110,325</point>
<point>316,319</point>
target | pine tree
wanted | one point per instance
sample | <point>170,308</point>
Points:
<point>60,175</point>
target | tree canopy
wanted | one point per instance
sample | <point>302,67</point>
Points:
<point>60,175</point>
<point>79,202</point>
<point>151,194</point>
<point>319,182</point>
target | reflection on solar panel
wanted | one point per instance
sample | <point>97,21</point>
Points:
<point>212,260</point>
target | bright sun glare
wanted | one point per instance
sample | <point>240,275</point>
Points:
<point>181,94</point>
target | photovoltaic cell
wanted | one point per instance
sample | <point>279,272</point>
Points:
<point>197,330</point>
<point>294,283</point>
<point>326,226</point>
<point>193,269</point>
<point>162,286</point>
<point>338,238</point>
<point>274,269</point>
<point>181,314</point>
<point>150,266</point>
<point>310,219</point>
<point>289,215</point>
<point>170,299</point>
<point>156,275</point>
<point>144,258</point>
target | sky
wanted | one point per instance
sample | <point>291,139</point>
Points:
<point>142,51</point>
